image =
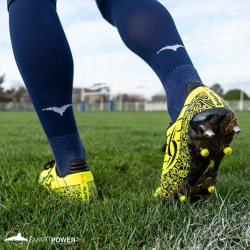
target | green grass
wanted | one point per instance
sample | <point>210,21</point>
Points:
<point>124,154</point>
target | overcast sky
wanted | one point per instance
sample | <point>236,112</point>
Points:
<point>216,35</point>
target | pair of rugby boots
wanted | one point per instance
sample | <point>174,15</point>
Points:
<point>196,144</point>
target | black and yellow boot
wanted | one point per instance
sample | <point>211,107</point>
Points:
<point>79,183</point>
<point>196,144</point>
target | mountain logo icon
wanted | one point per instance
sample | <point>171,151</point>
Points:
<point>16,238</point>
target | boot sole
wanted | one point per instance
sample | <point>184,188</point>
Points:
<point>210,133</point>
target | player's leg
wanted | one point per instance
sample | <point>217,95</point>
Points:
<point>45,62</point>
<point>197,113</point>
<point>147,28</point>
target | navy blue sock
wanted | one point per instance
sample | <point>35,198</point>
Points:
<point>45,62</point>
<point>147,28</point>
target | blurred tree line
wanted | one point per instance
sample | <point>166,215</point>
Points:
<point>3,97</point>
<point>233,94</point>
<point>18,94</point>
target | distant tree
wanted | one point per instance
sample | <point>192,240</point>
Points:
<point>3,98</point>
<point>2,79</point>
<point>19,93</point>
<point>10,91</point>
<point>217,89</point>
<point>234,94</point>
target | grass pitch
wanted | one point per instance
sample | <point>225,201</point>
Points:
<point>124,154</point>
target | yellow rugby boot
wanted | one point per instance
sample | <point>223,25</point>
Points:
<point>196,144</point>
<point>79,183</point>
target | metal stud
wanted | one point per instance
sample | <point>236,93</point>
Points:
<point>236,130</point>
<point>209,134</point>
<point>203,127</point>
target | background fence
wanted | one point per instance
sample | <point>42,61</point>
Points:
<point>118,106</point>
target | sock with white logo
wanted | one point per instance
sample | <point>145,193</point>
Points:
<point>45,62</point>
<point>147,28</point>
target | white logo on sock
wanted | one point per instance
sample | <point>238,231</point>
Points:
<point>59,110</point>
<point>173,47</point>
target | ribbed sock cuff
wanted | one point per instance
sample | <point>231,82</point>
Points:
<point>175,87</point>
<point>166,68</point>
<point>66,149</point>
<point>60,129</point>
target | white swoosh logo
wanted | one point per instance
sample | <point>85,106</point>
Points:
<point>59,110</point>
<point>173,47</point>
